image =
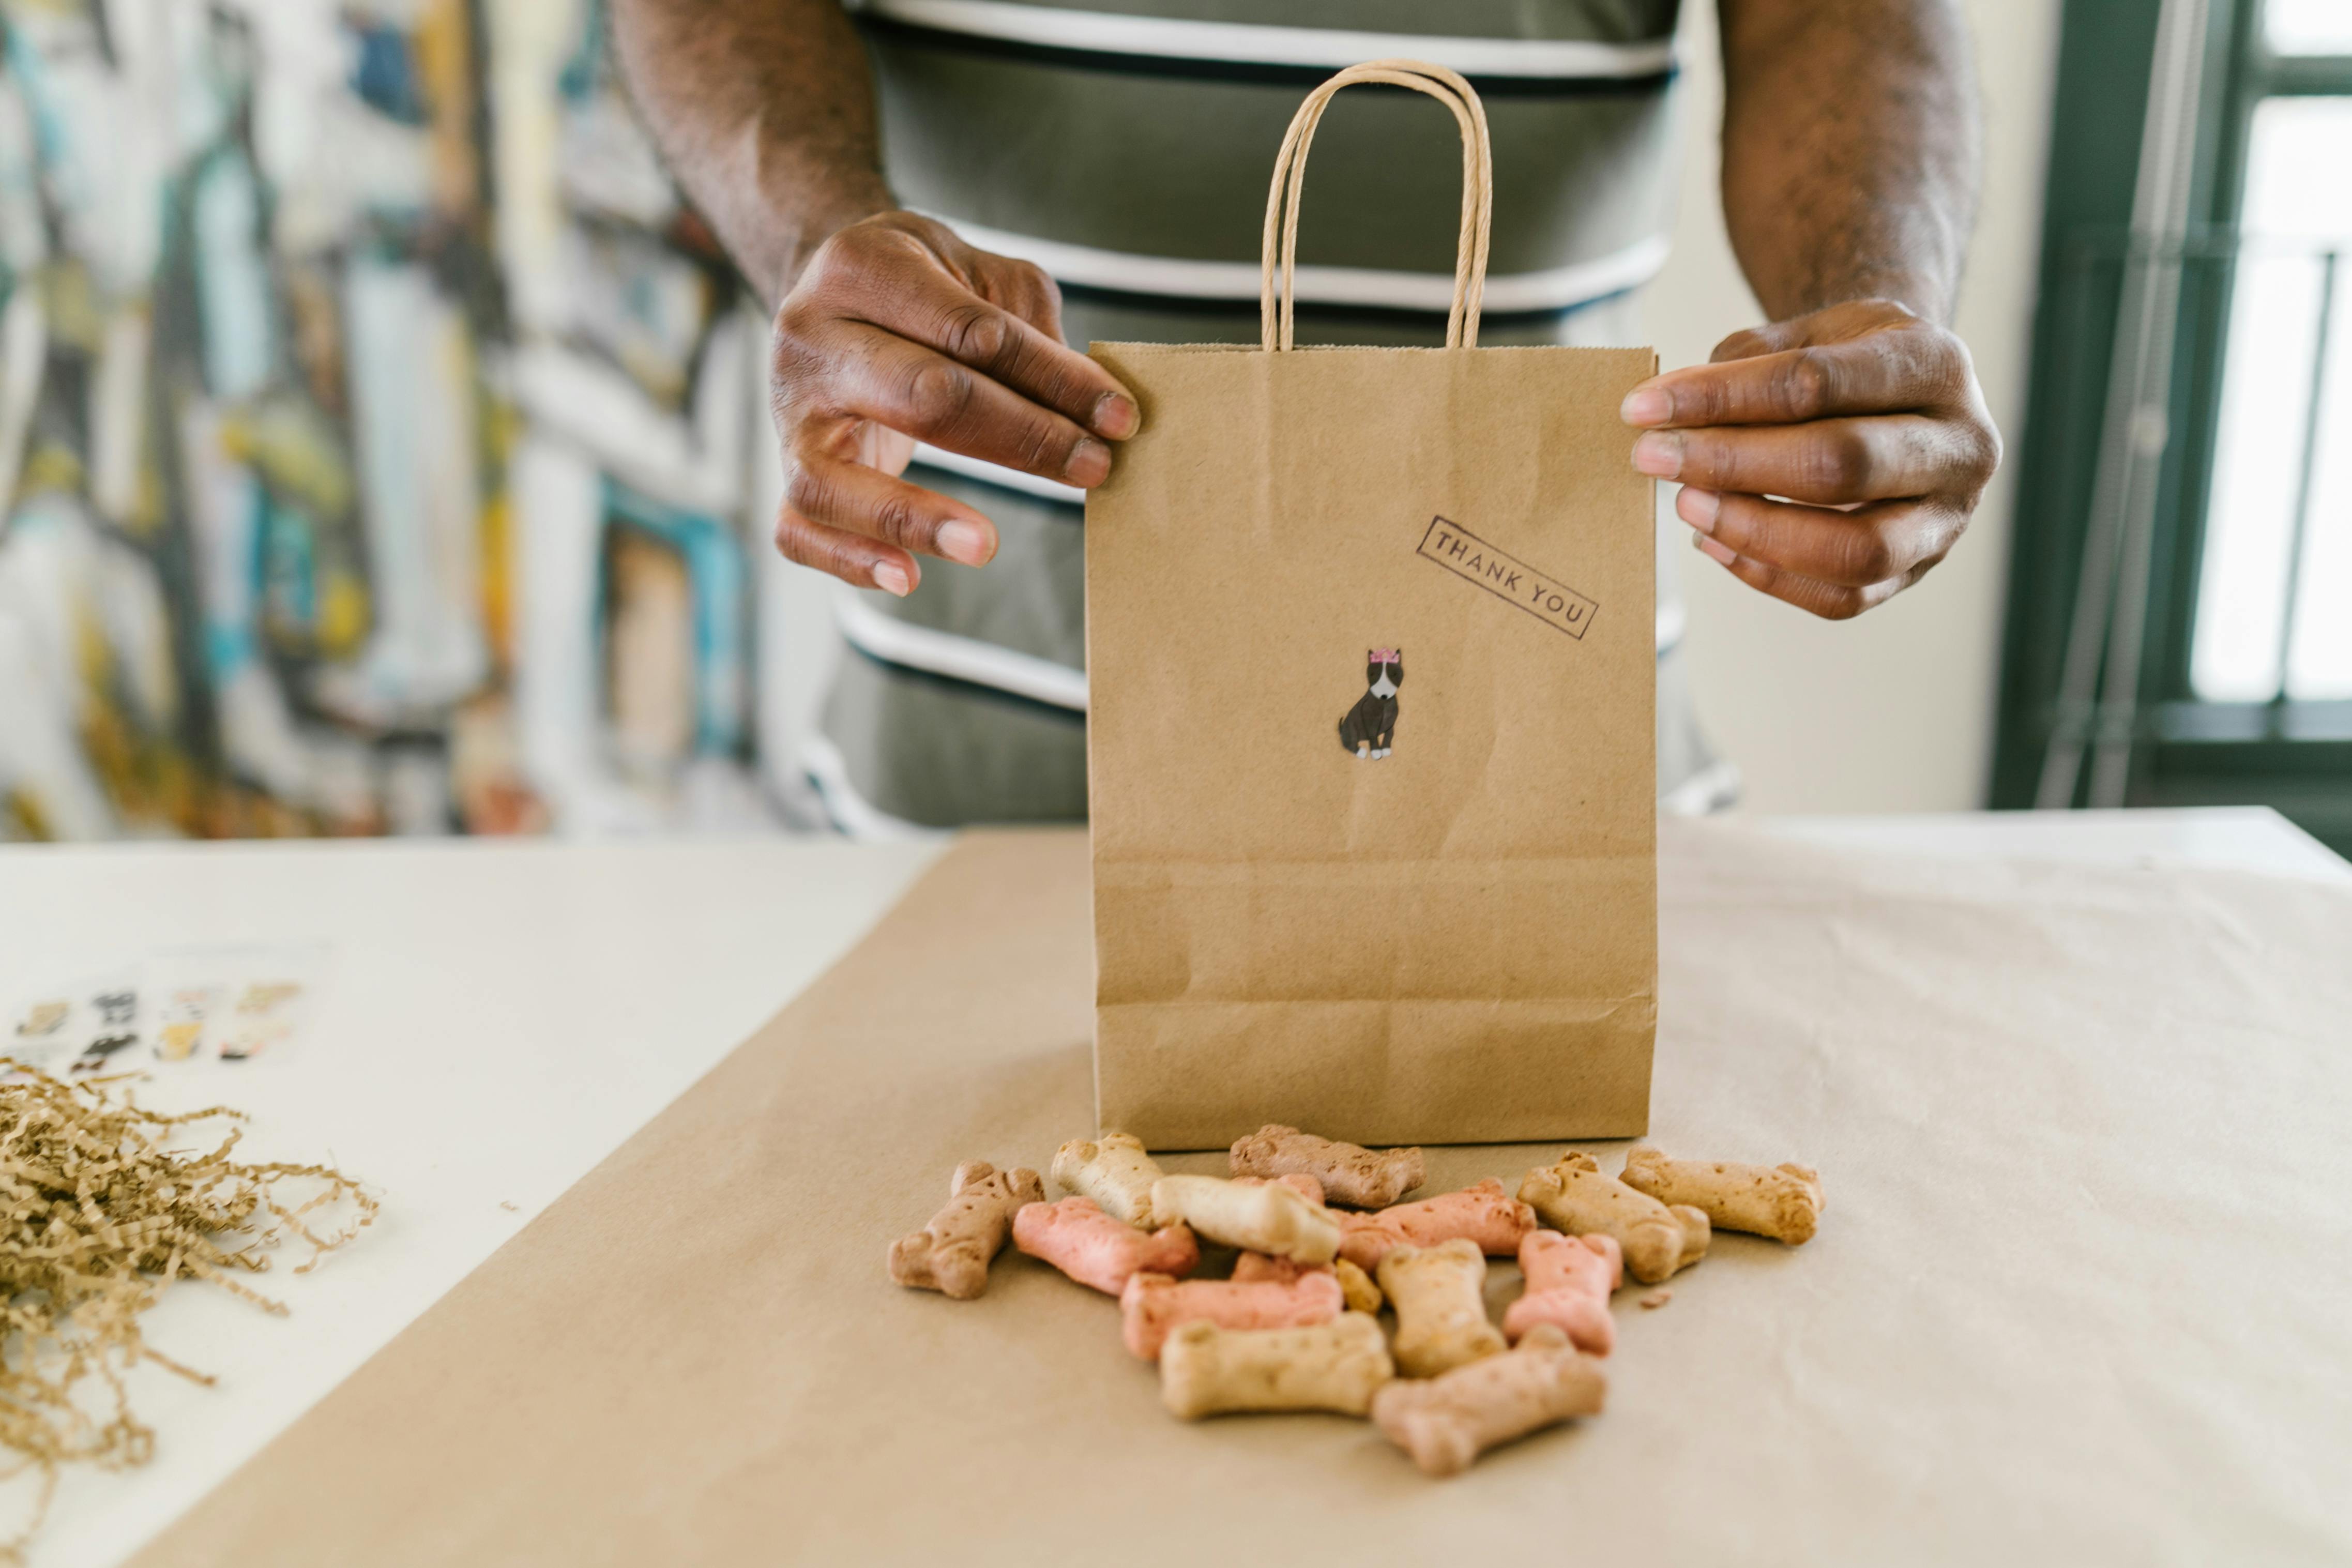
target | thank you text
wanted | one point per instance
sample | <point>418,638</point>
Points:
<point>1507,577</point>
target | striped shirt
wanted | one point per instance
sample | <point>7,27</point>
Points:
<point>1124,146</point>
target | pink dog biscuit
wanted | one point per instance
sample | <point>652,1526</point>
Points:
<point>1448,1421</point>
<point>1152,1305</point>
<point>951,1254</point>
<point>1077,1237</point>
<point>1484,1213</point>
<point>1362,1295</point>
<point>1569,1281</point>
<point>1350,1173</point>
<point>1262,1269</point>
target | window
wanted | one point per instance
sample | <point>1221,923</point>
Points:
<point>2180,611</point>
<point>2308,27</point>
<point>2278,530</point>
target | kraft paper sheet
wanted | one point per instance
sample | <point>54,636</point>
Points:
<point>2080,1294</point>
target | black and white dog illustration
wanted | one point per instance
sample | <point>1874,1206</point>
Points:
<point>1369,728</point>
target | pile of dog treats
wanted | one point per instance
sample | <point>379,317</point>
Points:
<point>1324,1244</point>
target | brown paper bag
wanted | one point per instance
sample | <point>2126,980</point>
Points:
<point>1371,748</point>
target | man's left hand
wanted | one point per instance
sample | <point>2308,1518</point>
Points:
<point>1829,460</point>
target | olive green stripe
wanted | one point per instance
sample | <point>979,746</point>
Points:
<point>1178,169</point>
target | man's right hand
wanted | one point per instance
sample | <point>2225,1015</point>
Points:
<point>896,331</point>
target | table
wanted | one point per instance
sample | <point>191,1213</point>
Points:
<point>495,1019</point>
<point>499,1018</point>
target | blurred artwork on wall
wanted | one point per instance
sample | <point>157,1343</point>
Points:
<point>379,435</point>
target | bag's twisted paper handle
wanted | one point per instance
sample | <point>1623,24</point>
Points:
<point>1282,200</point>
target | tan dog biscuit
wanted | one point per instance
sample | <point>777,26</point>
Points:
<point>1571,1195</point>
<point>1350,1173</point>
<point>1363,1294</point>
<point>1439,1294</point>
<point>1483,1213</point>
<point>951,1254</point>
<point>1116,1173</point>
<point>1093,1248</point>
<point>1446,1423</point>
<point>1270,1217</point>
<point>1205,1370</point>
<point>1783,1202</point>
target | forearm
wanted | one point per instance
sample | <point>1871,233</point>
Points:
<point>1850,150</point>
<point>764,109</point>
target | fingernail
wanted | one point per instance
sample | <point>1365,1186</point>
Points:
<point>1659,453</point>
<point>1646,405</point>
<point>1698,507</point>
<point>1089,464</point>
<point>1714,550</point>
<point>890,578</point>
<point>966,541</point>
<point>1117,417</point>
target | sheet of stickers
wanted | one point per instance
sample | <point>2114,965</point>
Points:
<point>177,1007</point>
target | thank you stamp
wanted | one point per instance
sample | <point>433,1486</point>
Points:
<point>1507,577</point>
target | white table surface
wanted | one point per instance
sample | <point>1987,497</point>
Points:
<point>497,1017</point>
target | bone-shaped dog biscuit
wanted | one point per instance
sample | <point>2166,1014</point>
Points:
<point>1090,1246</point>
<point>1449,1421</point>
<point>1573,1195</point>
<point>951,1254</point>
<point>1116,1173</point>
<point>1362,1295</point>
<point>1269,1217</point>
<point>1275,1294</point>
<point>1783,1202</point>
<point>1205,1370</point>
<point>1483,1213</point>
<point>1259,1268</point>
<point>1440,1296</point>
<point>1570,1278</point>
<point>1350,1173</point>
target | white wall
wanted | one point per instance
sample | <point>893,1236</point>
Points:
<point>1892,711</point>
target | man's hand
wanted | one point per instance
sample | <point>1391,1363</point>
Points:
<point>896,331</point>
<point>1865,417</point>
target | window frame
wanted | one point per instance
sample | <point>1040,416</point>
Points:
<point>2293,755</point>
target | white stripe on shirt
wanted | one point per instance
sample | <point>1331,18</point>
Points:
<point>1554,288</point>
<point>913,647</point>
<point>1051,27</point>
<point>996,473</point>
